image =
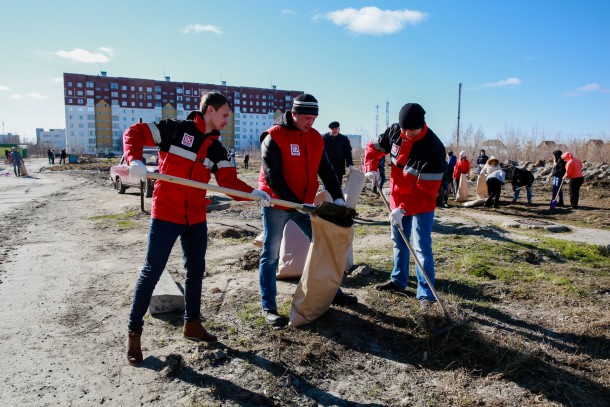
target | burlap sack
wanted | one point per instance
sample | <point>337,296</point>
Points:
<point>293,252</point>
<point>295,245</point>
<point>22,169</point>
<point>482,192</point>
<point>462,194</point>
<point>323,271</point>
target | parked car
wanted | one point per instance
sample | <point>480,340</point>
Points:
<point>121,180</point>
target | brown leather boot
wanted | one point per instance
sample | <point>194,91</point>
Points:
<point>134,348</point>
<point>195,331</point>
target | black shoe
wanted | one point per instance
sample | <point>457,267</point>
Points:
<point>342,298</point>
<point>274,319</point>
<point>388,286</point>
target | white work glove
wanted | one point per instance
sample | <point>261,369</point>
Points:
<point>339,201</point>
<point>137,169</point>
<point>372,176</point>
<point>264,197</point>
<point>351,168</point>
<point>396,217</point>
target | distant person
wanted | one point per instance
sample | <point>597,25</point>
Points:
<point>481,160</point>
<point>462,167</point>
<point>188,149</point>
<point>522,178</point>
<point>559,170</point>
<point>62,156</point>
<point>448,177</point>
<point>232,157</point>
<point>338,150</point>
<point>494,181</point>
<point>7,153</point>
<point>574,174</point>
<point>381,171</point>
<point>16,161</point>
<point>50,156</point>
<point>418,162</point>
<point>246,160</point>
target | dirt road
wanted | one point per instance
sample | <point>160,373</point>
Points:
<point>66,280</point>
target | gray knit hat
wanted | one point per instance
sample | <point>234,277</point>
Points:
<point>305,104</point>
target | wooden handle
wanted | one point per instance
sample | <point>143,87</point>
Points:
<point>223,190</point>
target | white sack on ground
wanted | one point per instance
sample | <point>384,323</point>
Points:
<point>462,194</point>
<point>323,271</point>
<point>482,192</point>
<point>353,188</point>
<point>295,245</point>
<point>293,252</point>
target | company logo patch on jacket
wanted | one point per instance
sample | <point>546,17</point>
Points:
<point>187,140</point>
<point>295,149</point>
<point>395,149</point>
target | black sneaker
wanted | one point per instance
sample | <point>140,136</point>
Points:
<point>274,319</point>
<point>342,298</point>
<point>388,286</point>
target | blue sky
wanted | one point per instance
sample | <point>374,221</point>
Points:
<point>533,66</point>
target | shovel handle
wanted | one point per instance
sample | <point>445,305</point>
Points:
<point>226,191</point>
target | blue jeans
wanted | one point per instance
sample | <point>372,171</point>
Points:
<point>529,194</point>
<point>17,169</point>
<point>274,221</point>
<point>161,238</point>
<point>556,183</point>
<point>418,229</point>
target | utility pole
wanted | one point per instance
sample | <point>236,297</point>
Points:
<point>376,121</point>
<point>387,113</point>
<point>457,133</point>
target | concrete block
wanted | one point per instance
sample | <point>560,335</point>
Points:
<point>167,297</point>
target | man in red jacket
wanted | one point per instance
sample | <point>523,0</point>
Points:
<point>418,165</point>
<point>293,156</point>
<point>188,149</point>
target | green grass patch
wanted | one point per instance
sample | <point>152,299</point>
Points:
<point>122,221</point>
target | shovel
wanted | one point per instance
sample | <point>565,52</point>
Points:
<point>338,214</point>
<point>554,201</point>
<point>443,329</point>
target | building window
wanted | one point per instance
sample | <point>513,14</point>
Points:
<point>123,87</point>
<point>148,89</point>
<point>114,86</point>
<point>179,91</point>
<point>79,85</point>
<point>187,92</point>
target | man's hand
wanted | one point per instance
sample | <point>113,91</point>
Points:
<point>396,217</point>
<point>372,176</point>
<point>264,197</point>
<point>339,201</point>
<point>137,169</point>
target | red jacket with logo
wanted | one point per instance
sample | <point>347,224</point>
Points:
<point>185,151</point>
<point>417,169</point>
<point>292,161</point>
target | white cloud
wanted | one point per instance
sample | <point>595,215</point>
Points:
<point>106,50</point>
<point>589,87</point>
<point>31,95</point>
<point>197,28</point>
<point>288,12</point>
<point>36,95</point>
<point>505,82</point>
<point>4,88</point>
<point>81,55</point>
<point>374,21</point>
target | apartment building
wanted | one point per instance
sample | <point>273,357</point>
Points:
<point>99,108</point>
<point>52,138</point>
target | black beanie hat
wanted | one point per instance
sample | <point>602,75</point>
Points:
<point>411,116</point>
<point>305,104</point>
<point>333,125</point>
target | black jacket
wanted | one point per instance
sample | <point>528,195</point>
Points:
<point>559,169</point>
<point>339,152</point>
<point>522,177</point>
